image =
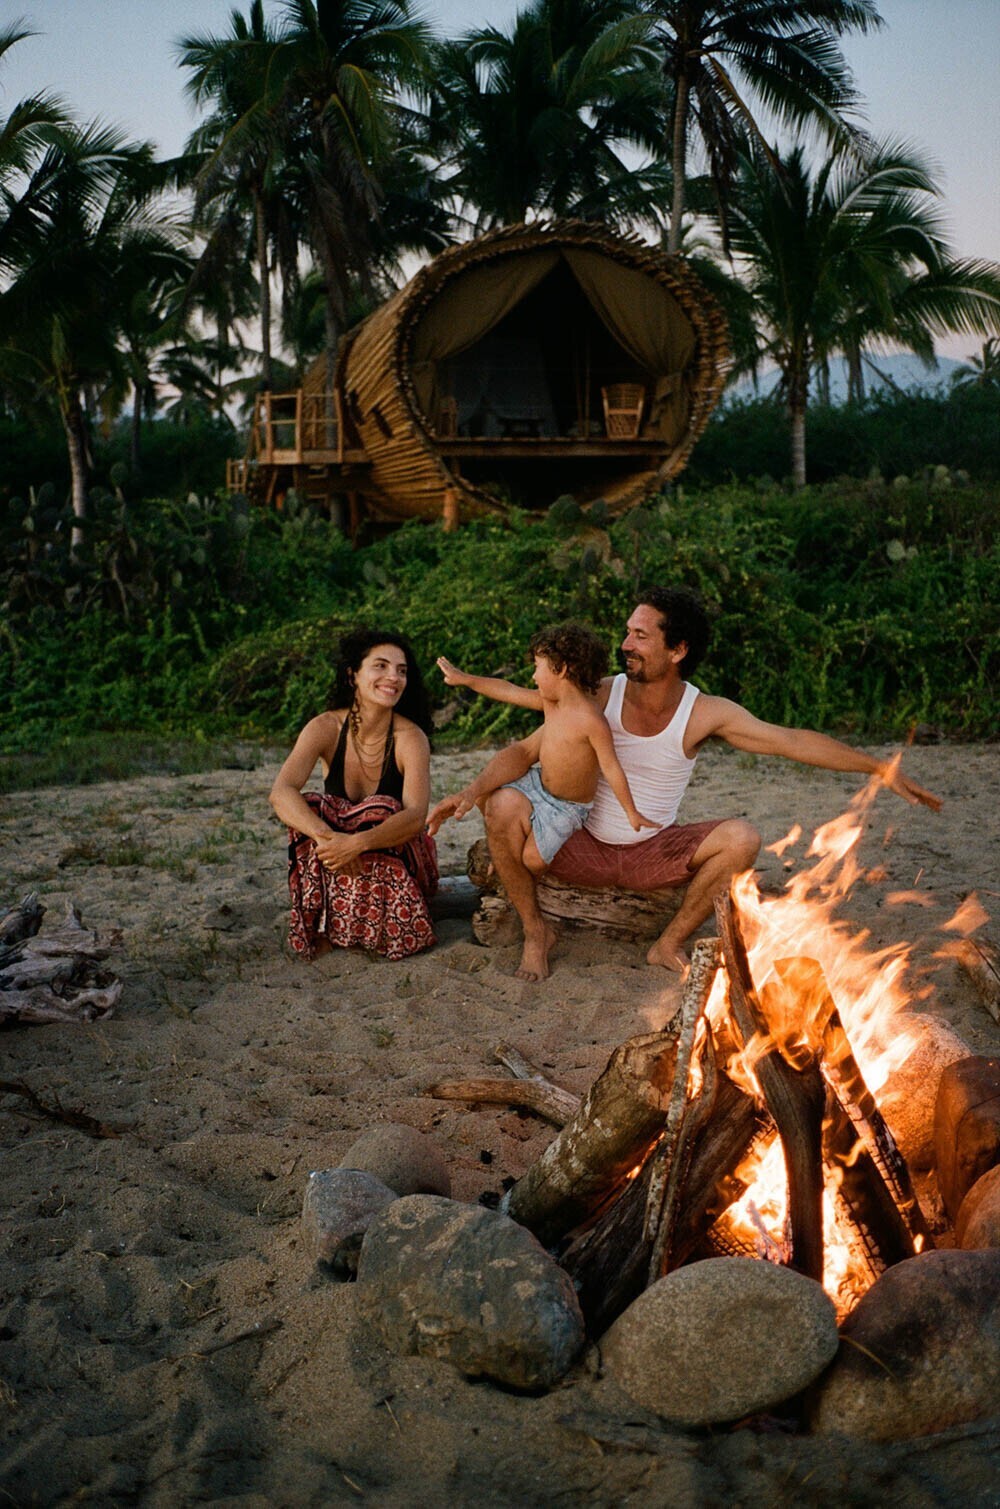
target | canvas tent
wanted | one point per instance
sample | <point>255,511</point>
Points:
<point>486,379</point>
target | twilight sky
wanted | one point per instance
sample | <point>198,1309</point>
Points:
<point>931,78</point>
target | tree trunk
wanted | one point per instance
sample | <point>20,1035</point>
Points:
<point>135,429</point>
<point>679,163</point>
<point>798,399</point>
<point>76,446</point>
<point>267,375</point>
<point>855,374</point>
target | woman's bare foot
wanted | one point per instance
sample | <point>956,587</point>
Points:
<point>534,963</point>
<point>669,956</point>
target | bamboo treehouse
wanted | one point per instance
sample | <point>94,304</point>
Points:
<point>535,361</point>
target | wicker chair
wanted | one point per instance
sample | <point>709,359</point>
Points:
<point>623,403</point>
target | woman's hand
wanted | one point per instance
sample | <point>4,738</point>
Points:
<point>340,852</point>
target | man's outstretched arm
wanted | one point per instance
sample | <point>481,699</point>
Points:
<point>727,720</point>
<point>507,765</point>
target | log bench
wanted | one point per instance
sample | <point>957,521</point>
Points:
<point>634,916</point>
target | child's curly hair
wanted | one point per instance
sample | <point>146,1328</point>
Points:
<point>575,649</point>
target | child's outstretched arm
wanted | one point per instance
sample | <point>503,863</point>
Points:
<point>604,748</point>
<point>491,686</point>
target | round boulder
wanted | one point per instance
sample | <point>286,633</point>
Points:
<point>469,1286</point>
<point>978,1223</point>
<point>721,1339</point>
<point>339,1206</point>
<point>403,1158</point>
<point>922,1351</point>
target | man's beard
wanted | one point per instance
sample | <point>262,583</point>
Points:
<point>634,667</point>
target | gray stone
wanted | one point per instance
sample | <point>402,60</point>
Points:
<point>471,1287</point>
<point>721,1339</point>
<point>907,1098</point>
<point>405,1159</point>
<point>920,1353</point>
<point>339,1206</point>
<point>978,1223</point>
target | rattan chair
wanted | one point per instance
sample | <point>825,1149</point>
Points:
<point>623,403</point>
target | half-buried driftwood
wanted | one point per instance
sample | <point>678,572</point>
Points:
<point>53,976</point>
<point>633,916</point>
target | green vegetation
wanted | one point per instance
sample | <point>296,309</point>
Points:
<point>864,606</point>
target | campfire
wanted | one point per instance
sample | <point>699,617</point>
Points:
<point>750,1125</point>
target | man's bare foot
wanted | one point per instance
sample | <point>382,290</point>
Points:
<point>668,956</point>
<point>534,963</point>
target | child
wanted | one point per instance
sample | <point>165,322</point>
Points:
<point>573,743</point>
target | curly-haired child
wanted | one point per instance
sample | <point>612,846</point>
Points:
<point>572,745</point>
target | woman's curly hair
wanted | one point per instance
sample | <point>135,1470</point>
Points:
<point>413,704</point>
<point>575,649</point>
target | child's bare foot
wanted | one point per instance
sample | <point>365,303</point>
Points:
<point>534,963</point>
<point>669,956</point>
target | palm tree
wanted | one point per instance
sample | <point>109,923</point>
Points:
<point>237,154</point>
<point>850,254</point>
<point>31,127</point>
<point>726,60</point>
<point>343,65</point>
<point>982,370</point>
<point>534,119</point>
<point>85,216</point>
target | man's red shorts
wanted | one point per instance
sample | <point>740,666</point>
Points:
<point>663,860</point>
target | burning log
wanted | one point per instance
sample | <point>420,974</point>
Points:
<point>618,1122</point>
<point>796,1099</point>
<point>609,1261</point>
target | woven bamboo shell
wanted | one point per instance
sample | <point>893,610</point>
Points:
<point>409,477</point>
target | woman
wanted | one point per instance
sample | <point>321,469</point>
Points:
<point>360,864</point>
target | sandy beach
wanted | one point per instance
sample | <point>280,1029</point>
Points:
<point>165,1339</point>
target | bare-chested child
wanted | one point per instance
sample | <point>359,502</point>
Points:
<point>572,745</point>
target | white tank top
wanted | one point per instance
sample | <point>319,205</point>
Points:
<point>657,768</point>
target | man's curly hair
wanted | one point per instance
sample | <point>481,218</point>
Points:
<point>575,649</point>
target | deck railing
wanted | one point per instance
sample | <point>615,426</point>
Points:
<point>288,425</point>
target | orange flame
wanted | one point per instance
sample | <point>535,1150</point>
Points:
<point>870,988</point>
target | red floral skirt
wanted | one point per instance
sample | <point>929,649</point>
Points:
<point>383,907</point>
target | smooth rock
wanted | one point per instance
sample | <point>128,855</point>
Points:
<point>921,1352</point>
<point>721,1339</point>
<point>469,1286</point>
<point>966,1126</point>
<point>339,1206</point>
<point>978,1223</point>
<point>908,1096</point>
<point>406,1160</point>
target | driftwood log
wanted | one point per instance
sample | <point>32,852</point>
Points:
<point>981,962</point>
<point>634,916</point>
<point>53,976</point>
<point>529,1089</point>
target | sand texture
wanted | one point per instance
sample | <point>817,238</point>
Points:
<point>165,1338</point>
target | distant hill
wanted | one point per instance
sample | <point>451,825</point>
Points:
<point>901,371</point>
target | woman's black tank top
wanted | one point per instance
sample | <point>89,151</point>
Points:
<point>390,781</point>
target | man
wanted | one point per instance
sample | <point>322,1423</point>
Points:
<point>659,723</point>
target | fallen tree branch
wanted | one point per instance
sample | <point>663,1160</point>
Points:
<point>77,1119</point>
<point>547,1100</point>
